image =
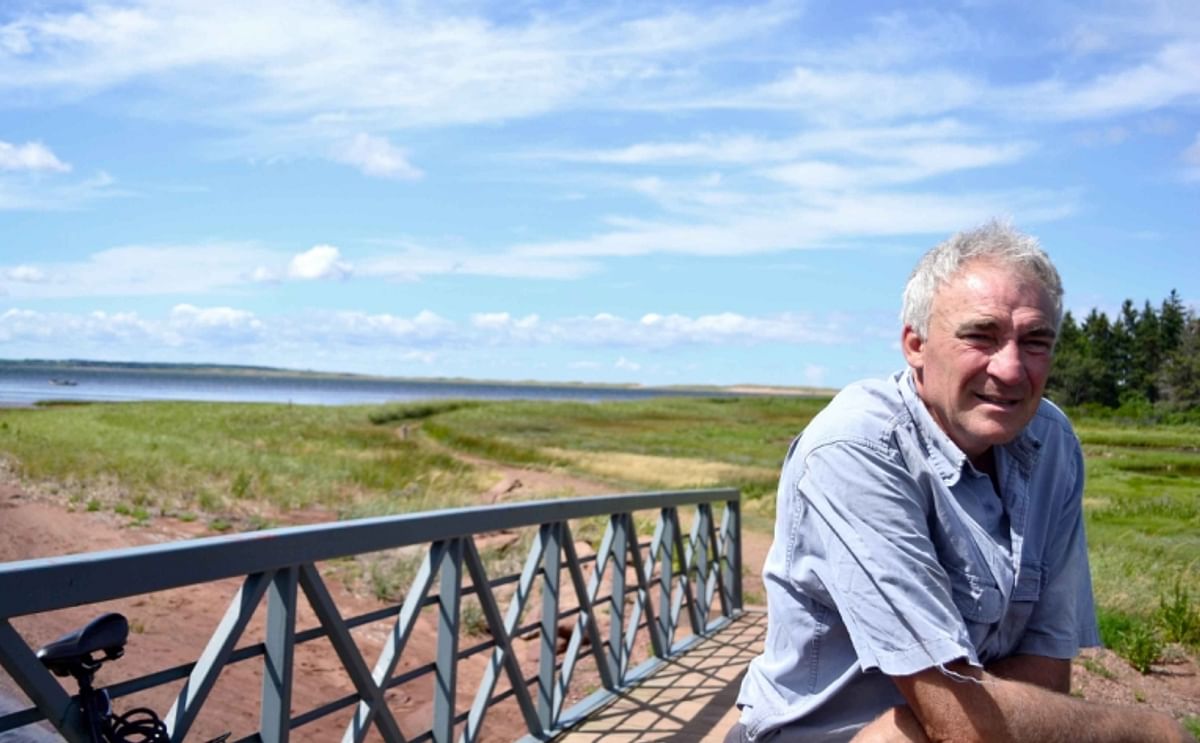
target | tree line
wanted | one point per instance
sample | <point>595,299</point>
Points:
<point>1143,360</point>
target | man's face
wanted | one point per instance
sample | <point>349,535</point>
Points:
<point>983,367</point>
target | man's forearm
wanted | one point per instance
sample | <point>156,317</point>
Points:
<point>1033,713</point>
<point>1049,673</point>
<point>990,708</point>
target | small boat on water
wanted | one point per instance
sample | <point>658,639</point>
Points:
<point>64,382</point>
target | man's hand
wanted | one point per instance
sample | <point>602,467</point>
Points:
<point>971,706</point>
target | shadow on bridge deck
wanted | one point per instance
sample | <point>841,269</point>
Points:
<point>689,699</point>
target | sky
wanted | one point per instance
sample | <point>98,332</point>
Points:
<point>637,192</point>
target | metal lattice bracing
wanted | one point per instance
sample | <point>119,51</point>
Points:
<point>664,574</point>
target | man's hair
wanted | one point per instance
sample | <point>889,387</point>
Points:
<point>995,241</point>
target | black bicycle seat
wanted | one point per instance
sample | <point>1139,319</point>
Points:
<point>107,632</point>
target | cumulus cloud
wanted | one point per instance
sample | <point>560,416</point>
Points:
<point>376,156</point>
<point>502,325</point>
<point>213,317</point>
<point>626,365</point>
<point>31,156</point>
<point>426,328</point>
<point>423,333</point>
<point>319,262</point>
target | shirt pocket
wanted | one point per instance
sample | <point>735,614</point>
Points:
<point>1025,596</point>
<point>977,597</point>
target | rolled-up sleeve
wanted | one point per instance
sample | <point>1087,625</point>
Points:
<point>881,567</point>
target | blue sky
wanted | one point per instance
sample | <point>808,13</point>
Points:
<point>625,192</point>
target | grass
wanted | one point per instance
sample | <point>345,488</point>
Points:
<point>230,464</point>
<point>212,457</point>
<point>751,434</point>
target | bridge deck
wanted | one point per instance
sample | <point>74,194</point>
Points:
<point>691,698</point>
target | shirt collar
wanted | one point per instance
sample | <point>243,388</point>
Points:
<point>945,456</point>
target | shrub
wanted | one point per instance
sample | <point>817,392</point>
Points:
<point>1141,646</point>
<point>1178,618</point>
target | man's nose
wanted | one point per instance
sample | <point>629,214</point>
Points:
<point>1006,365</point>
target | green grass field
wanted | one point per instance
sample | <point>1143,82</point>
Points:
<point>221,462</point>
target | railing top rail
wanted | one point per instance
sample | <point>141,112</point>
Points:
<point>32,586</point>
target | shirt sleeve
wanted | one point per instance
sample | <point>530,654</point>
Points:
<point>1064,617</point>
<point>880,565</point>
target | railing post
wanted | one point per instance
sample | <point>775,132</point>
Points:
<point>616,629</point>
<point>449,605</point>
<point>275,717</point>
<point>734,509</point>
<point>665,579</point>
<point>551,569</point>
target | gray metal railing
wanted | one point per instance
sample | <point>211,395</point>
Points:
<point>663,595</point>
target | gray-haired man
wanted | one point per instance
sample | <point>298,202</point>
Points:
<point>929,576</point>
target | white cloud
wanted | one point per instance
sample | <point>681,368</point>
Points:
<point>263,275</point>
<point>213,317</point>
<point>410,263</point>
<point>799,221</point>
<point>28,191</point>
<point>142,270</point>
<point>319,262</point>
<point>626,365</point>
<point>376,156</point>
<point>364,329</point>
<point>825,94</point>
<point>1171,75</point>
<point>25,274</point>
<point>251,67</point>
<point>31,156</point>
<point>418,337</point>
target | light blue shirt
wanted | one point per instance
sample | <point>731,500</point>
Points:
<point>893,554</point>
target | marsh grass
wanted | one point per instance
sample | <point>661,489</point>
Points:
<point>210,457</point>
<point>750,434</point>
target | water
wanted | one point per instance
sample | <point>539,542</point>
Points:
<point>26,385</point>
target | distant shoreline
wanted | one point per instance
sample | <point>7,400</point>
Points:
<point>63,369</point>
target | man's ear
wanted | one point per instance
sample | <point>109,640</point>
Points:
<point>913,347</point>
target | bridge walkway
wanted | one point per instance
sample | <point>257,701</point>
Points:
<point>689,699</point>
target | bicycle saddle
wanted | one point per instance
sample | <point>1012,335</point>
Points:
<point>107,632</point>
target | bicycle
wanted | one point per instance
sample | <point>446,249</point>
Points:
<point>80,654</point>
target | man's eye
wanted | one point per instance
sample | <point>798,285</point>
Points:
<point>1038,346</point>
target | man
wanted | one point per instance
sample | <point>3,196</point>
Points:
<point>929,576</point>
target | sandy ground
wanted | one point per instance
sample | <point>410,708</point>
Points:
<point>171,627</point>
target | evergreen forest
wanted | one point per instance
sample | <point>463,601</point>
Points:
<point>1143,364</point>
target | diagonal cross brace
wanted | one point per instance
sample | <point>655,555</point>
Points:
<point>644,571</point>
<point>585,622</point>
<point>23,667</point>
<point>216,654</point>
<point>389,656</point>
<point>502,630</point>
<point>352,660</point>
